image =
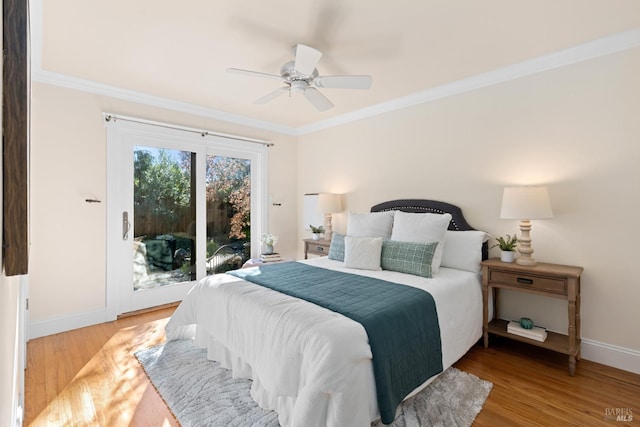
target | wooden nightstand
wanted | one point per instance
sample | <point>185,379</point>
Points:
<point>316,247</point>
<point>551,280</point>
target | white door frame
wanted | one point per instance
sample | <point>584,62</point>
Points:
<point>122,135</point>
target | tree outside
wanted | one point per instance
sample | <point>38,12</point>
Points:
<point>229,182</point>
<point>165,207</point>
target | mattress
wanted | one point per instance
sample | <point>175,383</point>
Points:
<point>311,365</point>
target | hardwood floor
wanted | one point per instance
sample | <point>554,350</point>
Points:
<point>90,377</point>
<point>532,387</point>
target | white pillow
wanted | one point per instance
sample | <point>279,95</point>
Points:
<point>424,228</point>
<point>374,224</point>
<point>463,250</point>
<point>362,252</point>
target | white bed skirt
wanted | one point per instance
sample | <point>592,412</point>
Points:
<point>311,365</point>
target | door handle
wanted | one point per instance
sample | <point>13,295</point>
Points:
<point>126,225</point>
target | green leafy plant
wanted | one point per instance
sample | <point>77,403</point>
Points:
<point>506,242</point>
<point>317,230</point>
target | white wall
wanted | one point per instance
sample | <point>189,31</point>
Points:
<point>575,129</point>
<point>68,163</point>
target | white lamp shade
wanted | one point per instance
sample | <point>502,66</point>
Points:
<point>526,203</point>
<point>329,203</point>
<point>311,212</point>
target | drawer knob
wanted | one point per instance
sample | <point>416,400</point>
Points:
<point>319,248</point>
<point>525,281</point>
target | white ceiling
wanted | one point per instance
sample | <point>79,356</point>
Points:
<point>179,51</point>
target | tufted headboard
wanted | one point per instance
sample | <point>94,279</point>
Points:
<point>458,222</point>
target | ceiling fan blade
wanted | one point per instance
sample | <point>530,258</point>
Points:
<point>343,82</point>
<point>271,96</point>
<point>317,99</point>
<point>254,73</point>
<point>306,59</point>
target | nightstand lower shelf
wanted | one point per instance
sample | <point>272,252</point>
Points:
<point>556,342</point>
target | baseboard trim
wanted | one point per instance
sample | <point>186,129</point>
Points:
<point>611,355</point>
<point>149,310</point>
<point>41,328</point>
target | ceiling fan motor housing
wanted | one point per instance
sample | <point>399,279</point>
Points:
<point>289,72</point>
<point>301,75</point>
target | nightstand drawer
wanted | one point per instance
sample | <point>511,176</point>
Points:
<point>526,281</point>
<point>318,249</point>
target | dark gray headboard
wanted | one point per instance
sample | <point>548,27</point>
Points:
<point>458,222</point>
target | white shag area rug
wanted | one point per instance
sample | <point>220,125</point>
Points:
<point>201,393</point>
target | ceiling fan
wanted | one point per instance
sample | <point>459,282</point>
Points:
<point>301,75</point>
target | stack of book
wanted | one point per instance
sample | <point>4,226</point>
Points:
<point>535,333</point>
<point>270,257</point>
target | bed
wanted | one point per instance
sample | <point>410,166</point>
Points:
<point>314,366</point>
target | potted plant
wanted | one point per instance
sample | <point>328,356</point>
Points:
<point>507,245</point>
<point>317,231</point>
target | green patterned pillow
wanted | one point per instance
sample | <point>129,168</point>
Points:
<point>408,257</point>
<point>336,250</point>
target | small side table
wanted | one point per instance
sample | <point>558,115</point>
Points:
<point>550,280</point>
<point>316,247</point>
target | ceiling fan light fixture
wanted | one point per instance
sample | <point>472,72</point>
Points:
<point>298,86</point>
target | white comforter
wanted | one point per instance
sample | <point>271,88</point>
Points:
<point>311,365</point>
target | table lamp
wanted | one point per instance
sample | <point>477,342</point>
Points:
<point>329,203</point>
<point>525,204</point>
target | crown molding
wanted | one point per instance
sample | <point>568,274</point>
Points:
<point>96,88</point>
<point>604,46</point>
<point>38,74</point>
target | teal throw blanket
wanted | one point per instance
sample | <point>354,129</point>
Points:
<point>401,321</point>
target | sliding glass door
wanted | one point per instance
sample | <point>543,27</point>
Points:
<point>179,209</point>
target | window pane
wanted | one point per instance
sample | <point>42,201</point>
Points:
<point>228,186</point>
<point>164,217</point>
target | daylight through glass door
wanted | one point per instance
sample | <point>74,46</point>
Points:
<point>164,227</point>
<point>181,205</point>
<point>164,220</point>
<point>228,199</point>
